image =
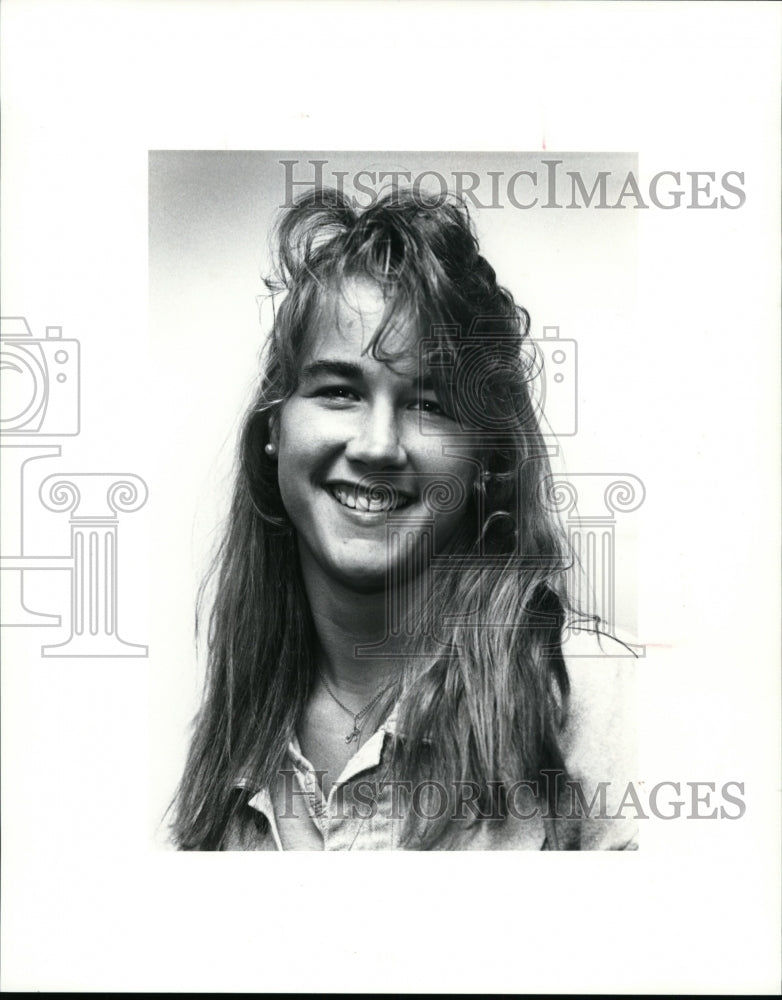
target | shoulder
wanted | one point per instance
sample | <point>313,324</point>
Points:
<point>248,829</point>
<point>599,738</point>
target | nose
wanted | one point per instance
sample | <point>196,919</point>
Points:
<point>377,442</point>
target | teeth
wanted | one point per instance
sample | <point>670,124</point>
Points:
<point>360,499</point>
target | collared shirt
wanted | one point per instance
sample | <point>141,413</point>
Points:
<point>364,809</point>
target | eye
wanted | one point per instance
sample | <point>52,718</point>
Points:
<point>432,407</point>
<point>337,393</point>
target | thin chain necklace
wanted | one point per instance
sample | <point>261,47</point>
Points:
<point>356,732</point>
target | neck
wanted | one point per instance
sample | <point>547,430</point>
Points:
<point>344,621</point>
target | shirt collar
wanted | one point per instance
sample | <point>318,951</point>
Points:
<point>366,757</point>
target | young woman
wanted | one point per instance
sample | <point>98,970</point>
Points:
<point>386,661</point>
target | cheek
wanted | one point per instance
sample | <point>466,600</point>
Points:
<point>308,433</point>
<point>294,456</point>
<point>299,439</point>
<point>458,470</point>
<point>449,489</point>
<point>307,444</point>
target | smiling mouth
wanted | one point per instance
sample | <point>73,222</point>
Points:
<point>368,501</point>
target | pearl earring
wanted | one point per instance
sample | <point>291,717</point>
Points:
<point>270,449</point>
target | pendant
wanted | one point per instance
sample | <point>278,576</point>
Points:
<point>351,737</point>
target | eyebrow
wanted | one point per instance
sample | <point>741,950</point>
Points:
<point>325,367</point>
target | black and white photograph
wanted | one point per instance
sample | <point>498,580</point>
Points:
<point>390,466</point>
<point>398,554</point>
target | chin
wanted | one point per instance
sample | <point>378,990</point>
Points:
<point>362,579</point>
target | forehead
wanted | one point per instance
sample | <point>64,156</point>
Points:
<point>346,321</point>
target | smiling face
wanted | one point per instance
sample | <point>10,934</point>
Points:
<point>353,419</point>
